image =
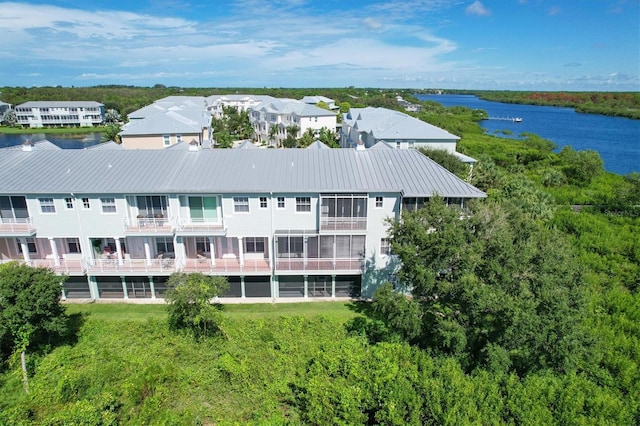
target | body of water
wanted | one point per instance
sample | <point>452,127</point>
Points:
<point>617,139</point>
<point>65,141</point>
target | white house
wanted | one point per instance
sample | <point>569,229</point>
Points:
<point>216,103</point>
<point>305,223</point>
<point>368,126</point>
<point>167,122</point>
<point>60,113</point>
<point>270,120</point>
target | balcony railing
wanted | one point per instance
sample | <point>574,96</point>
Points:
<point>197,226</point>
<point>65,266</point>
<point>301,264</point>
<point>115,266</point>
<point>226,266</point>
<point>343,223</point>
<point>148,224</point>
<point>18,226</point>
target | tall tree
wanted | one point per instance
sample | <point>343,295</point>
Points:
<point>493,287</point>
<point>190,306</point>
<point>30,310</point>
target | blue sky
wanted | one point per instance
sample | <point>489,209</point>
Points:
<point>466,44</point>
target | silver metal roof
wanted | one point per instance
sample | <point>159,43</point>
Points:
<point>59,104</point>
<point>388,124</point>
<point>227,171</point>
<point>41,145</point>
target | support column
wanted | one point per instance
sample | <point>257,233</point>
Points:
<point>212,251</point>
<point>54,251</point>
<point>333,286</point>
<point>243,292</point>
<point>124,287</point>
<point>25,249</point>
<point>93,287</point>
<point>240,252</point>
<point>275,287</point>
<point>147,250</point>
<point>304,255</point>
<point>306,286</point>
<point>63,292</point>
<point>119,251</point>
<point>152,287</point>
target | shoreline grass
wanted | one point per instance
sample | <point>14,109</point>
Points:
<point>51,130</point>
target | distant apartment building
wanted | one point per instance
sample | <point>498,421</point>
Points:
<point>60,114</point>
<point>272,120</point>
<point>4,107</point>
<point>278,223</point>
<point>168,122</point>
<point>215,104</point>
<point>369,126</point>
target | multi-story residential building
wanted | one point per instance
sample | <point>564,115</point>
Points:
<point>277,223</point>
<point>315,100</point>
<point>167,122</point>
<point>60,113</point>
<point>4,107</point>
<point>216,103</point>
<point>368,126</point>
<point>271,120</point>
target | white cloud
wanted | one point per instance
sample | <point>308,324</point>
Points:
<point>477,8</point>
<point>372,24</point>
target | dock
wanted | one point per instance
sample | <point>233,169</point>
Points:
<point>513,119</point>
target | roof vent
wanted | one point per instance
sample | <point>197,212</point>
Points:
<point>193,145</point>
<point>27,145</point>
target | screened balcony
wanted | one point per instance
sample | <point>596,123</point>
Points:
<point>343,212</point>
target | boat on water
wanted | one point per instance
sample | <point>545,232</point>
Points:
<point>517,120</point>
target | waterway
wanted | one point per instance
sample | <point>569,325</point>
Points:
<point>617,139</point>
<point>65,141</point>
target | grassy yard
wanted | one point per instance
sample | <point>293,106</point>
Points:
<point>51,130</point>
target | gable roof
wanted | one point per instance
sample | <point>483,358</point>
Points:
<point>183,120</point>
<point>41,145</point>
<point>388,124</point>
<point>228,171</point>
<point>292,106</point>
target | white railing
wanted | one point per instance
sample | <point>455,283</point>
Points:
<point>220,266</point>
<point>17,225</point>
<point>195,225</point>
<point>302,264</point>
<point>343,223</point>
<point>148,224</point>
<point>114,266</point>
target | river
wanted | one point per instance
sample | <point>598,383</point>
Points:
<point>65,141</point>
<point>617,139</point>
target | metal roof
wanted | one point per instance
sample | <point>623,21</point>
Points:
<point>41,145</point>
<point>59,104</point>
<point>185,120</point>
<point>227,171</point>
<point>388,124</point>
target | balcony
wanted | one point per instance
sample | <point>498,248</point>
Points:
<point>343,224</point>
<point>195,227</point>
<point>227,266</point>
<point>19,227</point>
<point>132,266</point>
<point>353,265</point>
<point>64,266</point>
<point>148,225</point>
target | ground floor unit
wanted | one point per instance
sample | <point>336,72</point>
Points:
<point>127,287</point>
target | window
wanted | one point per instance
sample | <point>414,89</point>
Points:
<point>152,205</point>
<point>263,202</point>
<point>108,205</point>
<point>385,247</point>
<point>203,209</point>
<point>73,245</point>
<point>254,245</point>
<point>303,204</point>
<point>47,205</point>
<point>86,204</point>
<point>68,202</point>
<point>281,202</point>
<point>378,202</point>
<point>202,245</point>
<point>31,245</point>
<point>14,209</point>
<point>178,138</point>
<point>166,139</point>
<point>397,144</point>
<point>241,204</point>
<point>164,245</point>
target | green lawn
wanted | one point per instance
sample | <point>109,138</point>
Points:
<point>56,130</point>
<point>133,312</point>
